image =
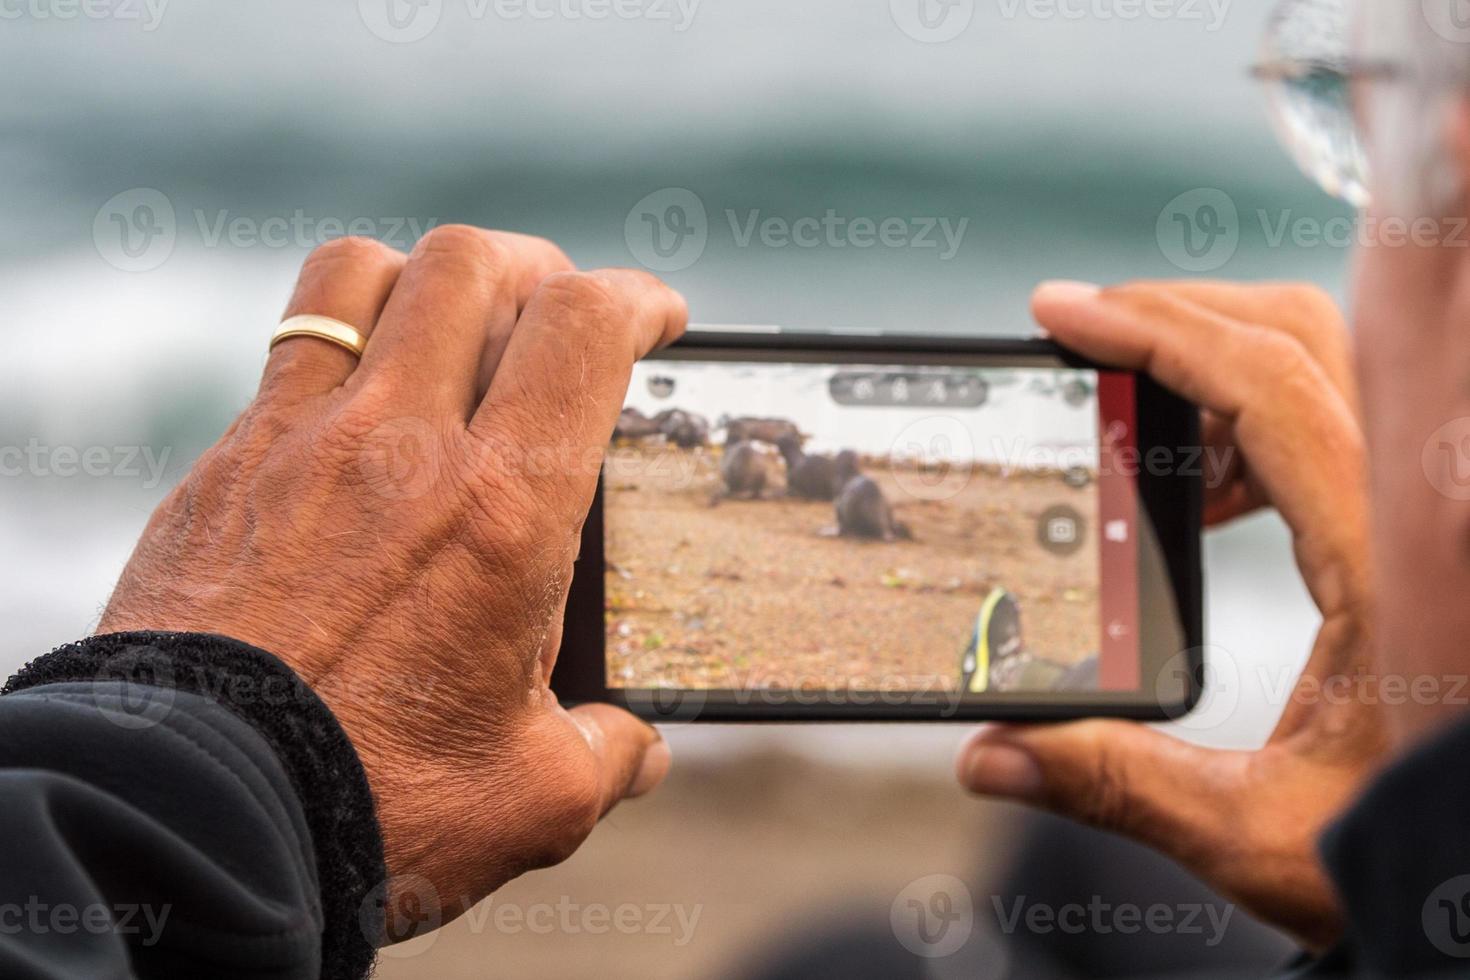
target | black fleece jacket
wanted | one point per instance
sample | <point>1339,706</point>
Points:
<point>182,806</point>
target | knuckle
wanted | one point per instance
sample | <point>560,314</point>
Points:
<point>351,250</point>
<point>450,238</point>
<point>1313,301</point>
<point>640,279</point>
<point>1281,356</point>
<point>480,252</point>
<point>1132,291</point>
<point>351,425</point>
<point>556,257</point>
<point>1141,298</point>
<point>1315,312</point>
<point>582,292</point>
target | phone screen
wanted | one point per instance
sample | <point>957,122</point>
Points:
<point>802,526</point>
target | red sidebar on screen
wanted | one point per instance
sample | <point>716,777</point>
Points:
<point>1118,466</point>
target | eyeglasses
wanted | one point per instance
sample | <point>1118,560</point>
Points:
<point>1308,75</point>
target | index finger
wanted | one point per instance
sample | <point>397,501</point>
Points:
<point>1304,312</point>
<point>561,383</point>
<point>1291,422</point>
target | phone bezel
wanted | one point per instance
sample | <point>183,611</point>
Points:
<point>1172,503</point>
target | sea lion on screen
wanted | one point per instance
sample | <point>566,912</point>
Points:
<point>743,470</point>
<point>808,475</point>
<point>634,425</point>
<point>862,510</point>
<point>747,428</point>
<point>684,429</point>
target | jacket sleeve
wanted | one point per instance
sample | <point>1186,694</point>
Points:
<point>180,805</point>
<point>1400,858</point>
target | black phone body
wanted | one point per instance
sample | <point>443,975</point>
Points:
<point>849,527</point>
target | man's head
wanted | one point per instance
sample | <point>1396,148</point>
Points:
<point>1412,320</point>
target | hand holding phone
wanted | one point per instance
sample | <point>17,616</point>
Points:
<point>1270,366</point>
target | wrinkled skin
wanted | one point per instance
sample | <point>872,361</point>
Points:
<point>401,531</point>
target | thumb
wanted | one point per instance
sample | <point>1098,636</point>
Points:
<point>1115,775</point>
<point>632,757</point>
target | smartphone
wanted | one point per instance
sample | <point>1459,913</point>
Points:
<point>830,527</point>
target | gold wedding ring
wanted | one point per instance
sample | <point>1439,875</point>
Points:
<point>323,328</point>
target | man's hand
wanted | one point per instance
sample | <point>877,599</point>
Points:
<point>401,531</point>
<point>1270,367</point>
